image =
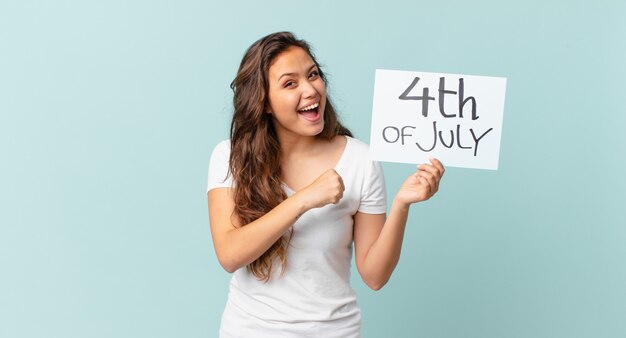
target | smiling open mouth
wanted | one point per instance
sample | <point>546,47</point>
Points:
<point>310,113</point>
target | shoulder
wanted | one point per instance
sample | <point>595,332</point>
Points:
<point>370,174</point>
<point>219,166</point>
<point>223,145</point>
<point>357,142</point>
<point>358,153</point>
<point>221,154</point>
<point>358,148</point>
<point>221,150</point>
<point>358,158</point>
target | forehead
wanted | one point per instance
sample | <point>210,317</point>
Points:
<point>292,60</point>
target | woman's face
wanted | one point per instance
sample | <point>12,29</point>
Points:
<point>297,94</point>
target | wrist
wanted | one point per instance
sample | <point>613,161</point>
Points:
<point>400,205</point>
<point>298,203</point>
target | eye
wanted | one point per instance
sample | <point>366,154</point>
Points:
<point>314,73</point>
<point>288,84</point>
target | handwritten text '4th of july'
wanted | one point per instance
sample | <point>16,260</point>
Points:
<point>393,134</point>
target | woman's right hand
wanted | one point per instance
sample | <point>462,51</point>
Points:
<point>326,189</point>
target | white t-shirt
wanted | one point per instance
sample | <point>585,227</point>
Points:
<point>313,298</point>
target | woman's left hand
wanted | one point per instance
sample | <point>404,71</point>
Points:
<point>421,185</point>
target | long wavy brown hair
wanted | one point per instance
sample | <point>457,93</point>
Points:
<point>255,150</point>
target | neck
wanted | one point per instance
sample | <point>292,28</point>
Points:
<point>296,145</point>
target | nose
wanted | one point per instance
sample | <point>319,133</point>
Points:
<point>308,90</point>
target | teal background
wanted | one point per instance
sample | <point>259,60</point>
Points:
<point>109,111</point>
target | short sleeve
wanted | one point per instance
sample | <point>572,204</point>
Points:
<point>218,167</point>
<point>374,193</point>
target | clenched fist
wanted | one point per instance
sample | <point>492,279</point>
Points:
<point>326,189</point>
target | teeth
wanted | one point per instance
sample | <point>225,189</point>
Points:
<point>313,106</point>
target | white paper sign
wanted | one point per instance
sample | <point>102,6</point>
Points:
<point>455,118</point>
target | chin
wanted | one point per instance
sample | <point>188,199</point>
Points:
<point>319,131</point>
<point>320,126</point>
<point>311,130</point>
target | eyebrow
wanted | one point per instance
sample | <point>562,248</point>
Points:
<point>312,66</point>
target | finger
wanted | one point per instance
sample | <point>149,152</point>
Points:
<point>424,182</point>
<point>431,169</point>
<point>431,179</point>
<point>338,198</point>
<point>438,164</point>
<point>343,187</point>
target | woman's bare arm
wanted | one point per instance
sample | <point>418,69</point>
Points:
<point>237,246</point>
<point>378,239</point>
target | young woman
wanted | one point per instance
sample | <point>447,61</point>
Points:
<point>290,193</point>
